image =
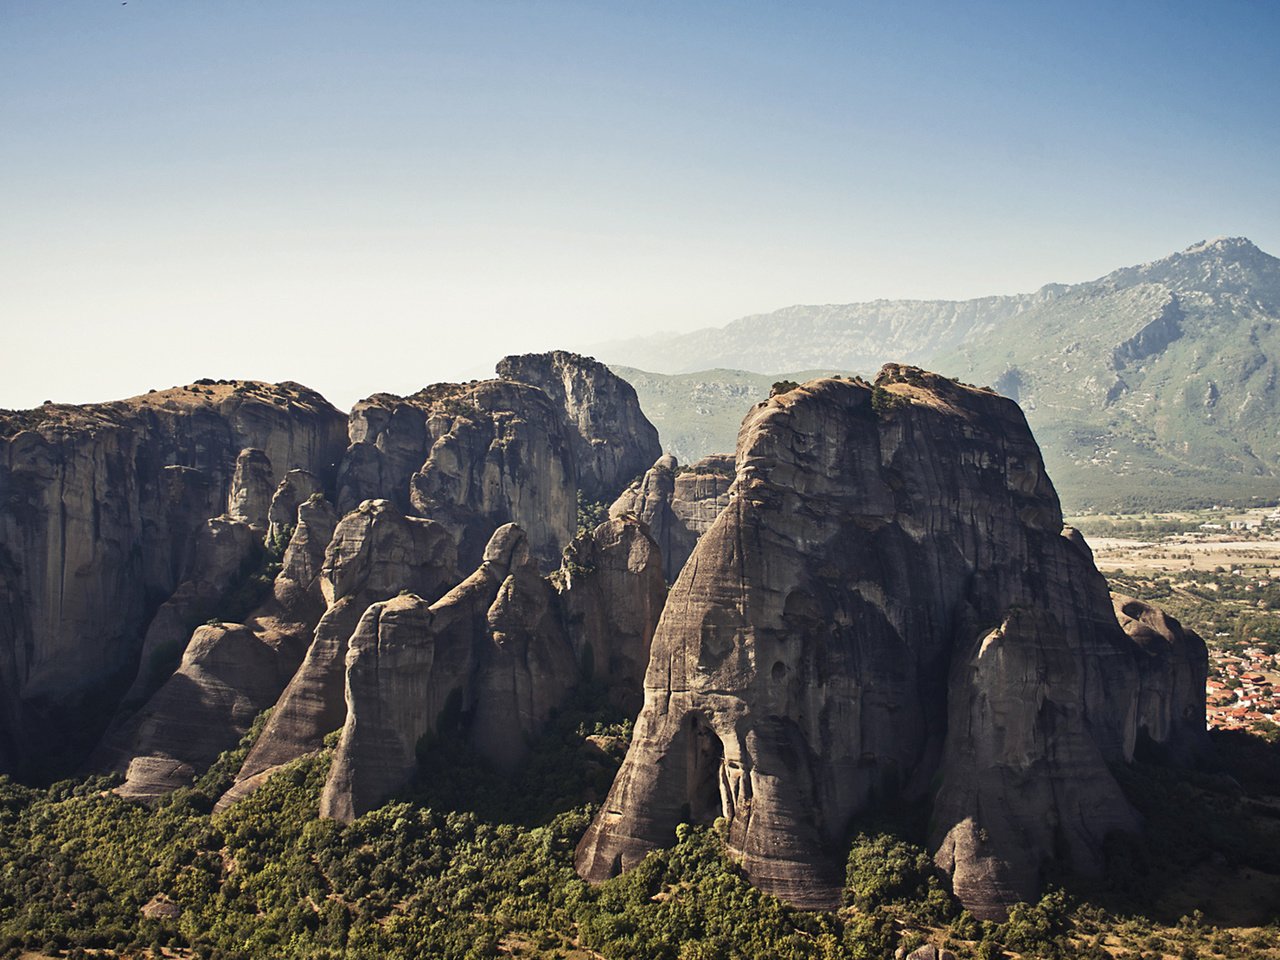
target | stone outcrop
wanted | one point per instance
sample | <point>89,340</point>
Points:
<point>295,489</point>
<point>613,590</point>
<point>488,661</point>
<point>613,442</point>
<point>887,608</point>
<point>679,505</point>
<point>222,549</point>
<point>471,457</point>
<point>228,674</point>
<point>252,487</point>
<point>99,506</point>
<point>517,449</point>
<point>1171,672</point>
<point>375,553</point>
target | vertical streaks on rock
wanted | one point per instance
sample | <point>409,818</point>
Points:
<point>887,608</point>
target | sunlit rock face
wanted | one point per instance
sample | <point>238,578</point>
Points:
<point>886,608</point>
<point>375,553</point>
<point>516,449</point>
<point>613,442</point>
<point>100,510</point>
<point>678,503</point>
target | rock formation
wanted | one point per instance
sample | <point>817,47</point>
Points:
<point>488,661</point>
<point>229,673</point>
<point>471,457</point>
<point>99,506</point>
<point>613,442</point>
<point>297,487</point>
<point>252,487</point>
<point>517,449</point>
<point>678,505</point>
<point>1171,671</point>
<point>613,590</point>
<point>375,553</point>
<point>887,608</point>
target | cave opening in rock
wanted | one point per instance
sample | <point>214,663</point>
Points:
<point>705,757</point>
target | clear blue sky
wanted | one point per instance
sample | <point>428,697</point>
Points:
<point>376,195</point>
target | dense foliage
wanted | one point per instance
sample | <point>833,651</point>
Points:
<point>469,864</point>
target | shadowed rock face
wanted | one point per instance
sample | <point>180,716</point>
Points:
<point>229,673</point>
<point>613,442</point>
<point>678,505</point>
<point>488,661</point>
<point>1171,669</point>
<point>613,590</point>
<point>887,607</point>
<point>375,553</point>
<point>98,509</point>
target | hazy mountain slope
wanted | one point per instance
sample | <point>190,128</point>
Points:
<point>856,336</point>
<point>1155,381</point>
<point>1154,385</point>
<point>699,413</point>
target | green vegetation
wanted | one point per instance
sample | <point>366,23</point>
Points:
<point>469,864</point>
<point>590,515</point>
<point>1229,610</point>
<point>882,401</point>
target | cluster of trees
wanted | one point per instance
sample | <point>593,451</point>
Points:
<point>469,864</point>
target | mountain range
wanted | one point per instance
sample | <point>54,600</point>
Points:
<point>1153,386</point>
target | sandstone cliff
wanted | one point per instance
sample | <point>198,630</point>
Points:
<point>613,442</point>
<point>99,506</point>
<point>228,674</point>
<point>679,505</point>
<point>518,449</point>
<point>613,590</point>
<point>471,457</point>
<point>489,661</point>
<point>887,608</point>
<point>375,553</point>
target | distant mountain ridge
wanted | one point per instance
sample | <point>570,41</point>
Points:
<point>1153,385</point>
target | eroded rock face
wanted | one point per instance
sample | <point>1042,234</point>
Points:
<point>488,661</point>
<point>1171,670</point>
<point>613,442</point>
<point>375,553</point>
<point>679,505</point>
<point>223,547</point>
<point>613,590</point>
<point>99,506</point>
<point>252,487</point>
<point>517,449</point>
<point>228,674</point>
<point>294,489</point>
<point>471,457</point>
<point>509,461</point>
<point>886,608</point>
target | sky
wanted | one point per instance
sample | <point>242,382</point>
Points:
<point>368,196</point>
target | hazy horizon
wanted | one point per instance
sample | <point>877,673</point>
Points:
<point>378,197</point>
